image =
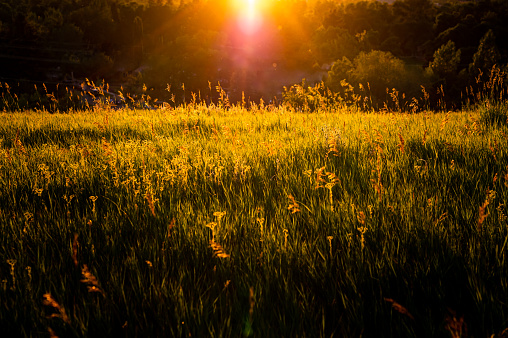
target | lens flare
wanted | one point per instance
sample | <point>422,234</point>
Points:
<point>249,15</point>
<point>250,19</point>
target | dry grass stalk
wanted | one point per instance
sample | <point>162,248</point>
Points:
<point>424,138</point>
<point>8,156</point>
<point>261,222</point>
<point>330,238</point>
<point>482,214</point>
<point>92,284</point>
<point>19,146</point>
<point>441,218</point>
<point>332,147</point>
<point>377,184</point>
<point>401,143</point>
<point>366,136</point>
<point>52,333</point>
<point>362,231</point>
<point>445,121</point>
<point>12,263</point>
<point>379,139</point>
<point>319,178</point>
<point>218,250</point>
<point>493,149</point>
<point>501,215</point>
<point>326,179</point>
<point>150,201</point>
<point>399,308</point>
<point>212,226</point>
<point>75,245</point>
<point>93,199</point>
<point>293,206</point>
<point>219,215</point>
<point>50,302</point>
<point>252,302</point>
<point>361,217</point>
<point>171,226</point>
<point>286,235</point>
<point>106,147</point>
<point>456,327</point>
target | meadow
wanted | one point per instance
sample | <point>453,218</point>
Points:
<point>210,222</point>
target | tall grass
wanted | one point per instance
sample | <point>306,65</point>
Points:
<point>205,221</point>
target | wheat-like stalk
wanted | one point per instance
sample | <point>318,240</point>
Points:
<point>49,301</point>
<point>75,245</point>
<point>212,226</point>
<point>319,178</point>
<point>362,231</point>
<point>8,156</point>
<point>445,121</point>
<point>286,234</point>
<point>456,326</point>
<point>349,238</point>
<point>29,275</point>
<point>19,145</point>
<point>376,183</point>
<point>327,180</point>
<point>218,250</point>
<point>261,222</point>
<point>493,149</point>
<point>171,226</point>
<point>399,308</point>
<point>424,138</point>
<point>441,218</point>
<point>361,217</point>
<point>52,333</point>
<point>150,200</point>
<point>330,238</point>
<point>482,213</point>
<point>12,263</point>
<point>92,284</point>
<point>401,143</point>
<point>93,199</point>
<point>294,207</point>
<point>219,215</point>
<point>252,302</point>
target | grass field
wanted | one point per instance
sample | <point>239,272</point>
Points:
<point>201,221</point>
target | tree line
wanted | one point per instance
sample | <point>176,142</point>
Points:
<point>175,49</point>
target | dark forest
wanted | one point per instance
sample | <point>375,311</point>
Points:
<point>174,49</point>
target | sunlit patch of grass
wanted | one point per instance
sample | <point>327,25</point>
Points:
<point>494,115</point>
<point>257,222</point>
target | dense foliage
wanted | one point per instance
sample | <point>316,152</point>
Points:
<point>165,44</point>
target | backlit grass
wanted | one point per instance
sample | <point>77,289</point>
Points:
<point>210,222</point>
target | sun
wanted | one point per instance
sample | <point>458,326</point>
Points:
<point>246,3</point>
<point>250,6</point>
<point>249,15</point>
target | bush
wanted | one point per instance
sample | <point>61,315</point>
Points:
<point>378,75</point>
<point>305,98</point>
<point>381,70</point>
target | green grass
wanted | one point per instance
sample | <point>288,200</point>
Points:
<point>385,235</point>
